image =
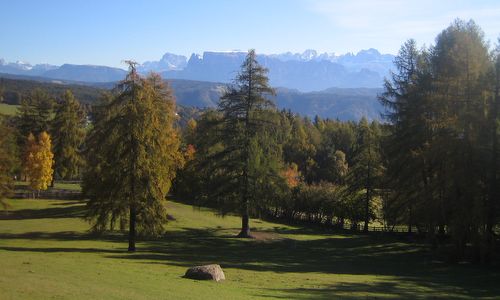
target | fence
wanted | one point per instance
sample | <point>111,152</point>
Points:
<point>49,194</point>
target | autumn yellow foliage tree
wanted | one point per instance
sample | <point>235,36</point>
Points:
<point>132,157</point>
<point>38,164</point>
<point>291,175</point>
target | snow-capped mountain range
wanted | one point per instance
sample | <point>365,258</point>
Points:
<point>306,71</point>
<point>21,67</point>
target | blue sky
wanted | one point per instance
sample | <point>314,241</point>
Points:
<point>105,32</point>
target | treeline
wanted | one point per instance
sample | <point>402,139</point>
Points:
<point>326,171</point>
<point>18,88</point>
<point>43,141</point>
<point>442,171</point>
<point>13,91</point>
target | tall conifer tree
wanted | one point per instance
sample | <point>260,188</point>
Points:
<point>133,153</point>
<point>249,156</point>
<point>8,161</point>
<point>68,134</point>
<point>34,115</point>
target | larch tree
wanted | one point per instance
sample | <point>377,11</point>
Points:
<point>461,63</point>
<point>367,167</point>
<point>493,203</point>
<point>442,105</point>
<point>35,113</point>
<point>405,104</point>
<point>8,161</point>
<point>249,161</point>
<point>30,148</point>
<point>68,133</point>
<point>132,156</point>
<point>39,161</point>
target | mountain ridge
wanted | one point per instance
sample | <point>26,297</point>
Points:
<point>333,103</point>
<point>306,71</point>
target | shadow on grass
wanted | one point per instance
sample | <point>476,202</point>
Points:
<point>68,209</point>
<point>328,255</point>
<point>359,255</point>
<point>65,236</point>
<point>403,288</point>
<point>410,270</point>
<point>62,249</point>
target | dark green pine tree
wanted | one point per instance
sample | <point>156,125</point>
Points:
<point>461,64</point>
<point>248,159</point>
<point>443,137</point>
<point>68,134</point>
<point>404,99</point>
<point>8,160</point>
<point>367,167</point>
<point>493,203</point>
<point>132,156</point>
<point>34,115</point>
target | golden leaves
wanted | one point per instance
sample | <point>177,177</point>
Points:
<point>38,161</point>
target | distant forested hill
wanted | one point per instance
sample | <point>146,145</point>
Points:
<point>15,87</point>
<point>334,103</point>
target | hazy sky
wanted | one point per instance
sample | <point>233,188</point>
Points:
<point>106,32</point>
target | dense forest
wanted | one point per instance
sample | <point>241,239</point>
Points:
<point>430,168</point>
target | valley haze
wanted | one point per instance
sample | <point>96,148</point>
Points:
<point>310,83</point>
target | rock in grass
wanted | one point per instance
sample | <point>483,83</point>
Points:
<point>206,272</point>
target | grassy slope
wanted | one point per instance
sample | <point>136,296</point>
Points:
<point>9,110</point>
<point>46,252</point>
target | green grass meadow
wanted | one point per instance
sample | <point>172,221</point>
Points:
<point>8,110</point>
<point>46,252</point>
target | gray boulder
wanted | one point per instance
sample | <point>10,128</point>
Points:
<point>206,272</point>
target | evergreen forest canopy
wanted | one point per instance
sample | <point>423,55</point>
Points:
<point>431,168</point>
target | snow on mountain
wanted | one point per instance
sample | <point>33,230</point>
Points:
<point>168,62</point>
<point>24,68</point>
<point>306,71</point>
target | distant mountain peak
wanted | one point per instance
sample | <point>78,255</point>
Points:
<point>169,61</point>
<point>194,58</point>
<point>309,54</point>
<point>371,51</point>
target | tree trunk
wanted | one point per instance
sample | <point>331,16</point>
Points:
<point>131,232</point>
<point>493,192</point>
<point>245,227</point>
<point>133,211</point>
<point>367,213</point>
<point>368,191</point>
<point>367,204</point>
<point>410,217</point>
<point>341,223</point>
